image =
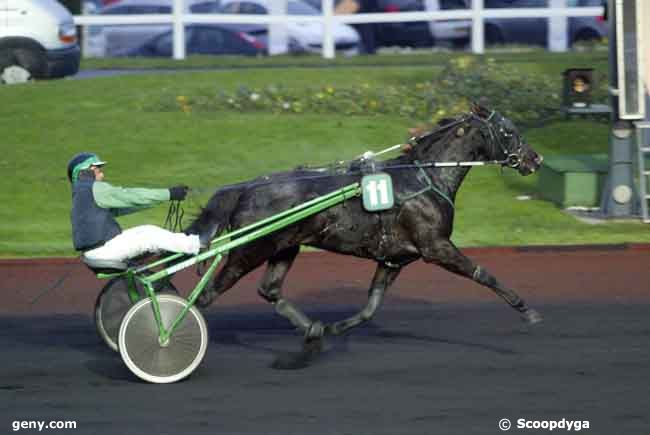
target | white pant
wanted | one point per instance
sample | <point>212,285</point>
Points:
<point>144,239</point>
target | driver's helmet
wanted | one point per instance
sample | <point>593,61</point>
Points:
<point>80,162</point>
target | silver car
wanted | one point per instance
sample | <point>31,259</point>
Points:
<point>535,30</point>
<point>307,37</point>
<point>111,40</point>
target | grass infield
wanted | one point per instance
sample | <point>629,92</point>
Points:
<point>43,124</point>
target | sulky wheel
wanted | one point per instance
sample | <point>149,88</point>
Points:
<point>140,345</point>
<point>113,302</point>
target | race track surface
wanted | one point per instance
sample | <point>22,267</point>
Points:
<point>443,356</point>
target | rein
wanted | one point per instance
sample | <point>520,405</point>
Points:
<point>174,219</point>
<point>511,160</point>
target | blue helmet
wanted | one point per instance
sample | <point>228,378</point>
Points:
<point>80,162</point>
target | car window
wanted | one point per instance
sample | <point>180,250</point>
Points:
<point>164,44</point>
<point>206,40</point>
<point>204,8</point>
<point>146,9</point>
<point>231,8</point>
<point>118,10</point>
<point>251,8</point>
<point>584,3</point>
<point>233,44</point>
<point>453,4</point>
<point>299,8</point>
<point>516,3</point>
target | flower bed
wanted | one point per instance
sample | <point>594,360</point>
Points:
<point>528,99</point>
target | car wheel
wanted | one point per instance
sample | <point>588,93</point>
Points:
<point>586,35</point>
<point>493,36</point>
<point>32,59</point>
<point>14,74</point>
<point>460,44</point>
<point>10,73</point>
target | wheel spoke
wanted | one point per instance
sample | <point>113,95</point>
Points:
<point>142,352</point>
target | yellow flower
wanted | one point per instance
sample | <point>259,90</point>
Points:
<point>181,99</point>
<point>330,90</point>
<point>463,62</point>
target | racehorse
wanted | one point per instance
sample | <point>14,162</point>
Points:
<point>418,226</point>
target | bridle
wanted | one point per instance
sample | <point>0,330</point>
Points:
<point>496,136</point>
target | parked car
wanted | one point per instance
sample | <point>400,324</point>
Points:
<point>307,37</point>
<point>109,40</point>
<point>535,30</point>
<point>587,28</point>
<point>456,33</point>
<point>405,34</point>
<point>37,39</point>
<point>203,39</point>
<point>418,33</point>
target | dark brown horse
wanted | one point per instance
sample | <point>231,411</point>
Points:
<point>418,226</point>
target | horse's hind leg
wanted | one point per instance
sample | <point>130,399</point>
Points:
<point>271,289</point>
<point>445,254</point>
<point>384,277</point>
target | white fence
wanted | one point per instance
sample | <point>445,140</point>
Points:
<point>477,14</point>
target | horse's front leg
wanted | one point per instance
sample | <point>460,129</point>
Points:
<point>384,277</point>
<point>445,254</point>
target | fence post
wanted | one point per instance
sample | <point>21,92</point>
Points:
<point>87,8</point>
<point>179,30</point>
<point>478,37</point>
<point>557,29</point>
<point>328,36</point>
<point>278,33</point>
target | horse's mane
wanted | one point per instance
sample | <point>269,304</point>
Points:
<point>423,147</point>
<point>428,145</point>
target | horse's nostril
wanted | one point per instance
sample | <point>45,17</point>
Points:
<point>539,159</point>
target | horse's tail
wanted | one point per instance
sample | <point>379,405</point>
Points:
<point>215,216</point>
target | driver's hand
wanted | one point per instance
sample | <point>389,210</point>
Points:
<point>178,193</point>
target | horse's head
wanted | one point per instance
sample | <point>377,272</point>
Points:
<point>504,142</point>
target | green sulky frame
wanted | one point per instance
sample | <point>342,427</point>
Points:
<point>218,248</point>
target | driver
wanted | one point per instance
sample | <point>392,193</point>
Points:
<point>95,204</point>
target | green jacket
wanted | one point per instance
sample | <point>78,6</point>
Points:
<point>95,205</point>
<point>123,200</point>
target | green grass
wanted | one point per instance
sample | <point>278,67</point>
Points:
<point>43,124</point>
<point>541,59</point>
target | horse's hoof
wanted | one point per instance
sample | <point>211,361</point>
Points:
<point>531,317</point>
<point>313,346</point>
<point>315,331</point>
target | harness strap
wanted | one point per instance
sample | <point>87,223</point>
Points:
<point>429,187</point>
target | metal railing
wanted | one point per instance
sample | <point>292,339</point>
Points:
<point>477,14</point>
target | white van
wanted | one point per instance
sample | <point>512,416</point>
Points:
<point>38,39</point>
